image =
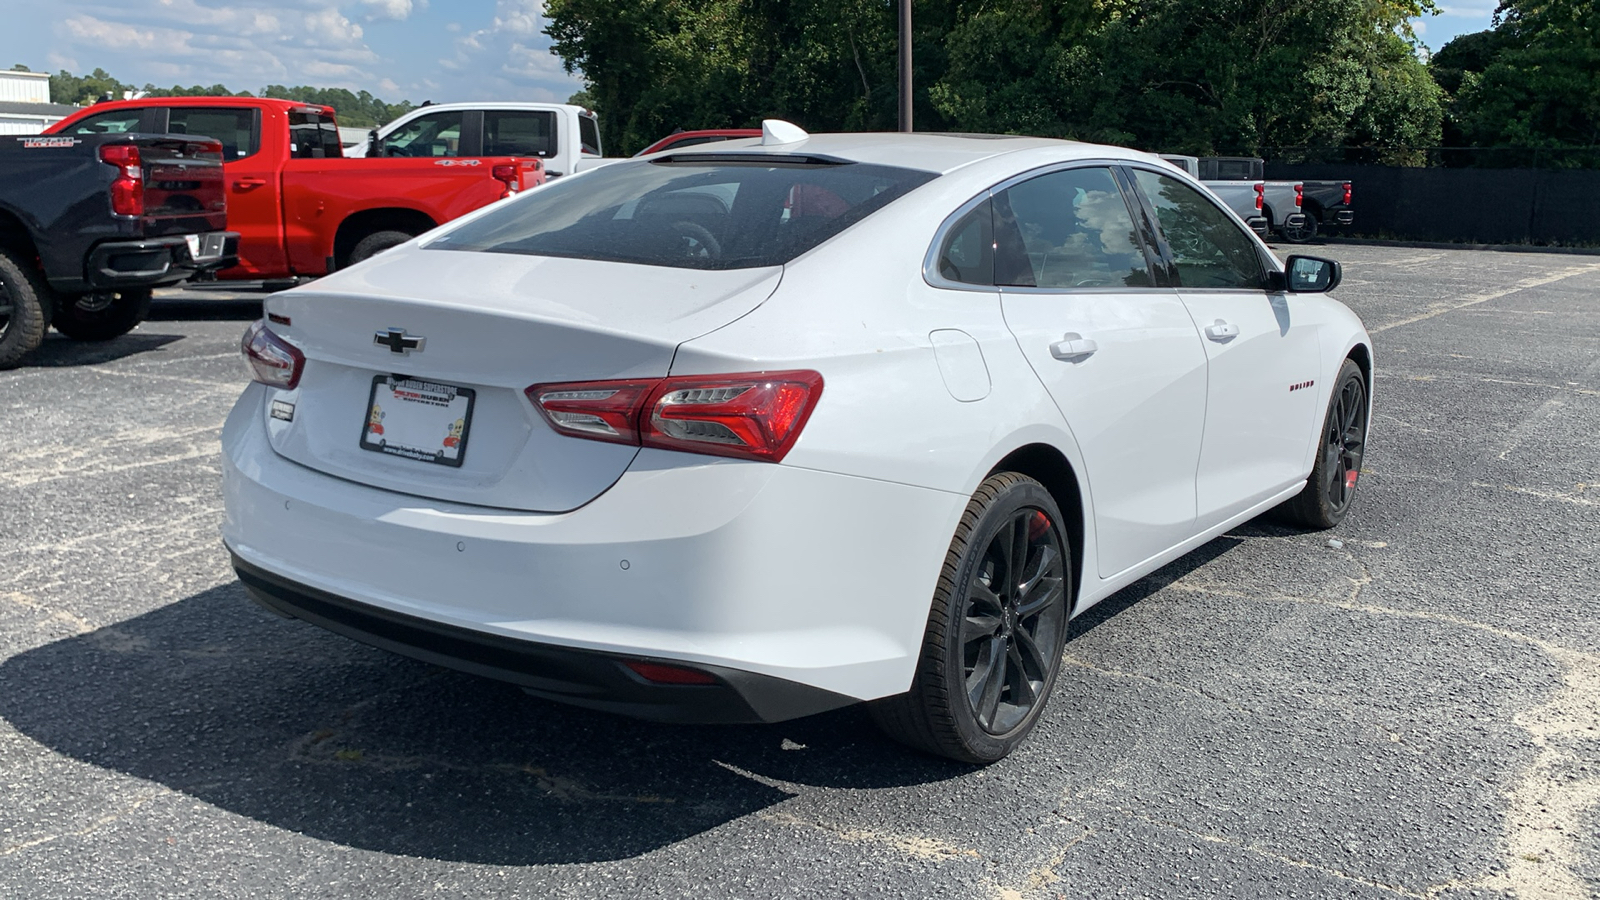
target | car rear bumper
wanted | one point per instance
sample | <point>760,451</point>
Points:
<point>1343,217</point>
<point>158,261</point>
<point>581,677</point>
<point>799,590</point>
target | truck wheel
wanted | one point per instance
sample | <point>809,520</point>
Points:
<point>24,308</point>
<point>102,315</point>
<point>1303,232</point>
<point>376,243</point>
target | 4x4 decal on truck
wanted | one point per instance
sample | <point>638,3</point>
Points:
<point>39,143</point>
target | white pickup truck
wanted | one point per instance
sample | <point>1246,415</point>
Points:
<point>566,137</point>
<point>1282,201</point>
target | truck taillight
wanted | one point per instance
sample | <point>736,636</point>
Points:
<point>755,415</point>
<point>273,361</point>
<point>1347,193</point>
<point>1299,195</point>
<point>508,176</point>
<point>1261,192</point>
<point>127,189</point>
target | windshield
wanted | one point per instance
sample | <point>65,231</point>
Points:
<point>709,213</point>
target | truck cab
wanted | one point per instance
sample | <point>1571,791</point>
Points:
<point>565,137</point>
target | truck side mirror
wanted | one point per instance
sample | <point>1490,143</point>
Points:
<point>1312,274</point>
<point>374,145</point>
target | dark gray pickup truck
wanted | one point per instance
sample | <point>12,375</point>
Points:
<point>90,224</point>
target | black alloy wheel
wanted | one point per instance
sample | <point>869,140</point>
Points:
<point>1344,442</point>
<point>1014,619</point>
<point>996,628</point>
<point>1330,490</point>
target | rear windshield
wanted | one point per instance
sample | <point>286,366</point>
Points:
<point>710,213</point>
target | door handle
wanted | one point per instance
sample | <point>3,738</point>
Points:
<point>1221,331</point>
<point>245,183</point>
<point>1073,347</point>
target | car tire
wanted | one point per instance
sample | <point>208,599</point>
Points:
<point>996,629</point>
<point>25,307</point>
<point>376,243</point>
<point>101,316</point>
<point>1331,488</point>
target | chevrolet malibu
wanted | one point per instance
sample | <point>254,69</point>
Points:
<point>754,430</point>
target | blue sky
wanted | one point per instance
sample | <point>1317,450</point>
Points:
<point>419,50</point>
<point>440,50</point>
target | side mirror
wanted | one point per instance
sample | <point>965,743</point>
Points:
<point>1312,274</point>
<point>374,148</point>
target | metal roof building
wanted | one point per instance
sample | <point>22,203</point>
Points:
<point>25,106</point>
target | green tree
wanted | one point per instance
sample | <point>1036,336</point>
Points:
<point>1541,85</point>
<point>66,87</point>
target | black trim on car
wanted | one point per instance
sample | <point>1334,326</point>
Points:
<point>587,678</point>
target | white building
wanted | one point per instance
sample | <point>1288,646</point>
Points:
<point>25,106</point>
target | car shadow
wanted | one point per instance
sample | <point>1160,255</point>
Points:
<point>300,729</point>
<point>60,351</point>
<point>1110,607</point>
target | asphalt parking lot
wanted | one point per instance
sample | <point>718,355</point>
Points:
<point>1407,706</point>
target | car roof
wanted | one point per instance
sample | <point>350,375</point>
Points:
<point>929,151</point>
<point>496,104</point>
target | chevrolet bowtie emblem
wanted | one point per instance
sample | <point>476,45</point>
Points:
<point>398,341</point>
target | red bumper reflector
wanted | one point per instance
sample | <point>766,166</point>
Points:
<point>665,674</point>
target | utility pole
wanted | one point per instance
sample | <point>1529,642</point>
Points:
<point>905,65</point>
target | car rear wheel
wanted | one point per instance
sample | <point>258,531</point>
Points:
<point>996,630</point>
<point>102,315</point>
<point>1331,488</point>
<point>24,307</point>
<point>376,243</point>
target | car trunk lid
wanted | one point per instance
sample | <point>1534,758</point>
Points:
<point>436,336</point>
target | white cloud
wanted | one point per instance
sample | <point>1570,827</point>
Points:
<point>392,10</point>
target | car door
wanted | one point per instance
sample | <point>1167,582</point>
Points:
<point>255,198</point>
<point>1262,359</point>
<point>1117,352</point>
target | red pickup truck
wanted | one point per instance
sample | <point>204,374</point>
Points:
<point>300,208</point>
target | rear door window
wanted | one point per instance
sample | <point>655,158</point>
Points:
<point>519,132</point>
<point>237,129</point>
<point>435,134</point>
<point>589,135</point>
<point>1067,229</point>
<point>313,135</point>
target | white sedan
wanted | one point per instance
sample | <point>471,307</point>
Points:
<point>763,428</point>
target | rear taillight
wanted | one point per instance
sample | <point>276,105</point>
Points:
<point>755,415</point>
<point>1299,195</point>
<point>507,175</point>
<point>600,411</point>
<point>273,361</point>
<point>1347,193</point>
<point>1261,191</point>
<point>127,189</point>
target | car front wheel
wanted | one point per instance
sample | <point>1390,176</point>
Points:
<point>1331,488</point>
<point>996,630</point>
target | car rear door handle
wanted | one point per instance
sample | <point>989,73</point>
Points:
<point>1221,331</point>
<point>245,183</point>
<point>1073,347</point>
